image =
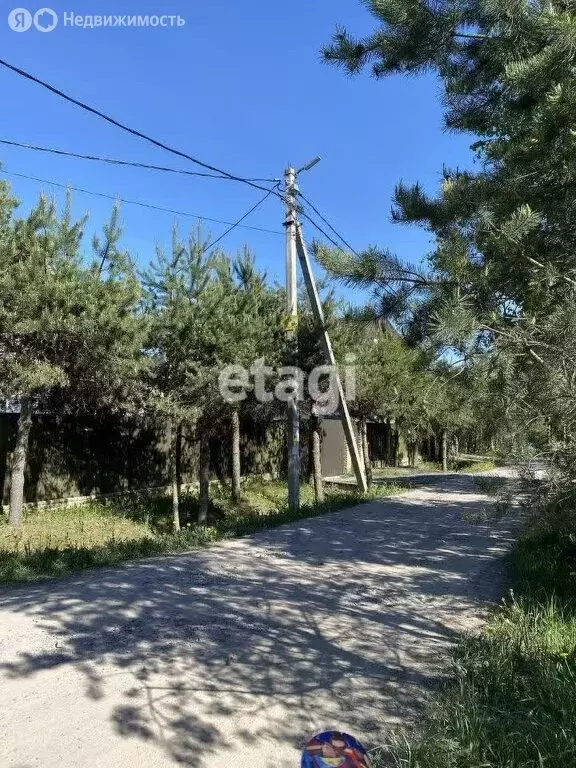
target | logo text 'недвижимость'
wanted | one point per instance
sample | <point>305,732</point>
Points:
<point>47,19</point>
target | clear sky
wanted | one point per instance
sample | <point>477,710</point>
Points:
<point>240,86</point>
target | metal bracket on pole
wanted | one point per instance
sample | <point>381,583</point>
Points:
<point>327,344</point>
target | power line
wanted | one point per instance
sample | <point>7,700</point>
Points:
<point>127,128</point>
<point>146,205</point>
<point>319,228</point>
<point>115,161</point>
<point>241,219</point>
<point>323,219</point>
<point>161,145</point>
<point>385,286</point>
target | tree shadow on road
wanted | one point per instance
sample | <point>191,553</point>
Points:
<point>337,621</point>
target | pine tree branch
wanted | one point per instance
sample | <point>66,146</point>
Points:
<point>468,36</point>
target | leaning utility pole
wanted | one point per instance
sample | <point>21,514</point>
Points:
<point>292,338</point>
<point>357,462</point>
<point>295,246</point>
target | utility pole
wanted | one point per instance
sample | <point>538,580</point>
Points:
<point>357,462</point>
<point>293,418</point>
<point>296,250</point>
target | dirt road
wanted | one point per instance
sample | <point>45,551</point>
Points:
<point>233,656</point>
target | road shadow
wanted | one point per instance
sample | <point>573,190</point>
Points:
<point>338,621</point>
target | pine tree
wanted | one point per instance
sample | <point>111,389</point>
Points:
<point>207,311</point>
<point>501,278</point>
<point>507,71</point>
<point>180,303</point>
<point>251,330</point>
<point>69,331</point>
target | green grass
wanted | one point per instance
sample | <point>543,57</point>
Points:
<point>511,704</point>
<point>429,466</point>
<point>55,542</point>
<point>461,465</point>
<point>422,467</point>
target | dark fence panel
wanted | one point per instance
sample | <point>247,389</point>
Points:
<point>82,456</point>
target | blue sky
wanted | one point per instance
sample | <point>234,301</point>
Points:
<point>240,86</point>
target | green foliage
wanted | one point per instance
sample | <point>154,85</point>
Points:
<point>70,333</point>
<point>491,486</point>
<point>208,311</point>
<point>544,562</point>
<point>66,322</point>
<point>181,299</point>
<point>500,280</point>
<point>391,383</point>
<point>512,702</point>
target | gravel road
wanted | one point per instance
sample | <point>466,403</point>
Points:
<point>234,655</point>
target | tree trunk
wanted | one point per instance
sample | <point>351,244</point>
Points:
<point>19,462</point>
<point>236,470</point>
<point>316,428</point>
<point>174,437</point>
<point>310,468</point>
<point>204,478</point>
<point>444,450</point>
<point>179,457</point>
<point>366,452</point>
<point>388,443</point>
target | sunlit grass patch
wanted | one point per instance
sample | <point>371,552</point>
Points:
<point>82,526</point>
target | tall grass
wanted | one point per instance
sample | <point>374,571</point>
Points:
<point>512,702</point>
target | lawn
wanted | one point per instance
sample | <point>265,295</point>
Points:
<point>380,473</point>
<point>54,542</point>
<point>464,464</point>
<point>474,465</point>
<point>511,704</point>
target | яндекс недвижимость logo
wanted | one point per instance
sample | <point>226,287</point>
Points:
<point>46,20</point>
<point>21,20</point>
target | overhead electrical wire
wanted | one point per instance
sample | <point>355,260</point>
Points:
<point>115,161</point>
<point>240,220</point>
<point>162,145</point>
<point>127,128</point>
<point>147,166</point>
<point>151,206</point>
<point>220,173</point>
<point>317,212</point>
<point>315,224</point>
<point>386,287</point>
<point>325,221</point>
